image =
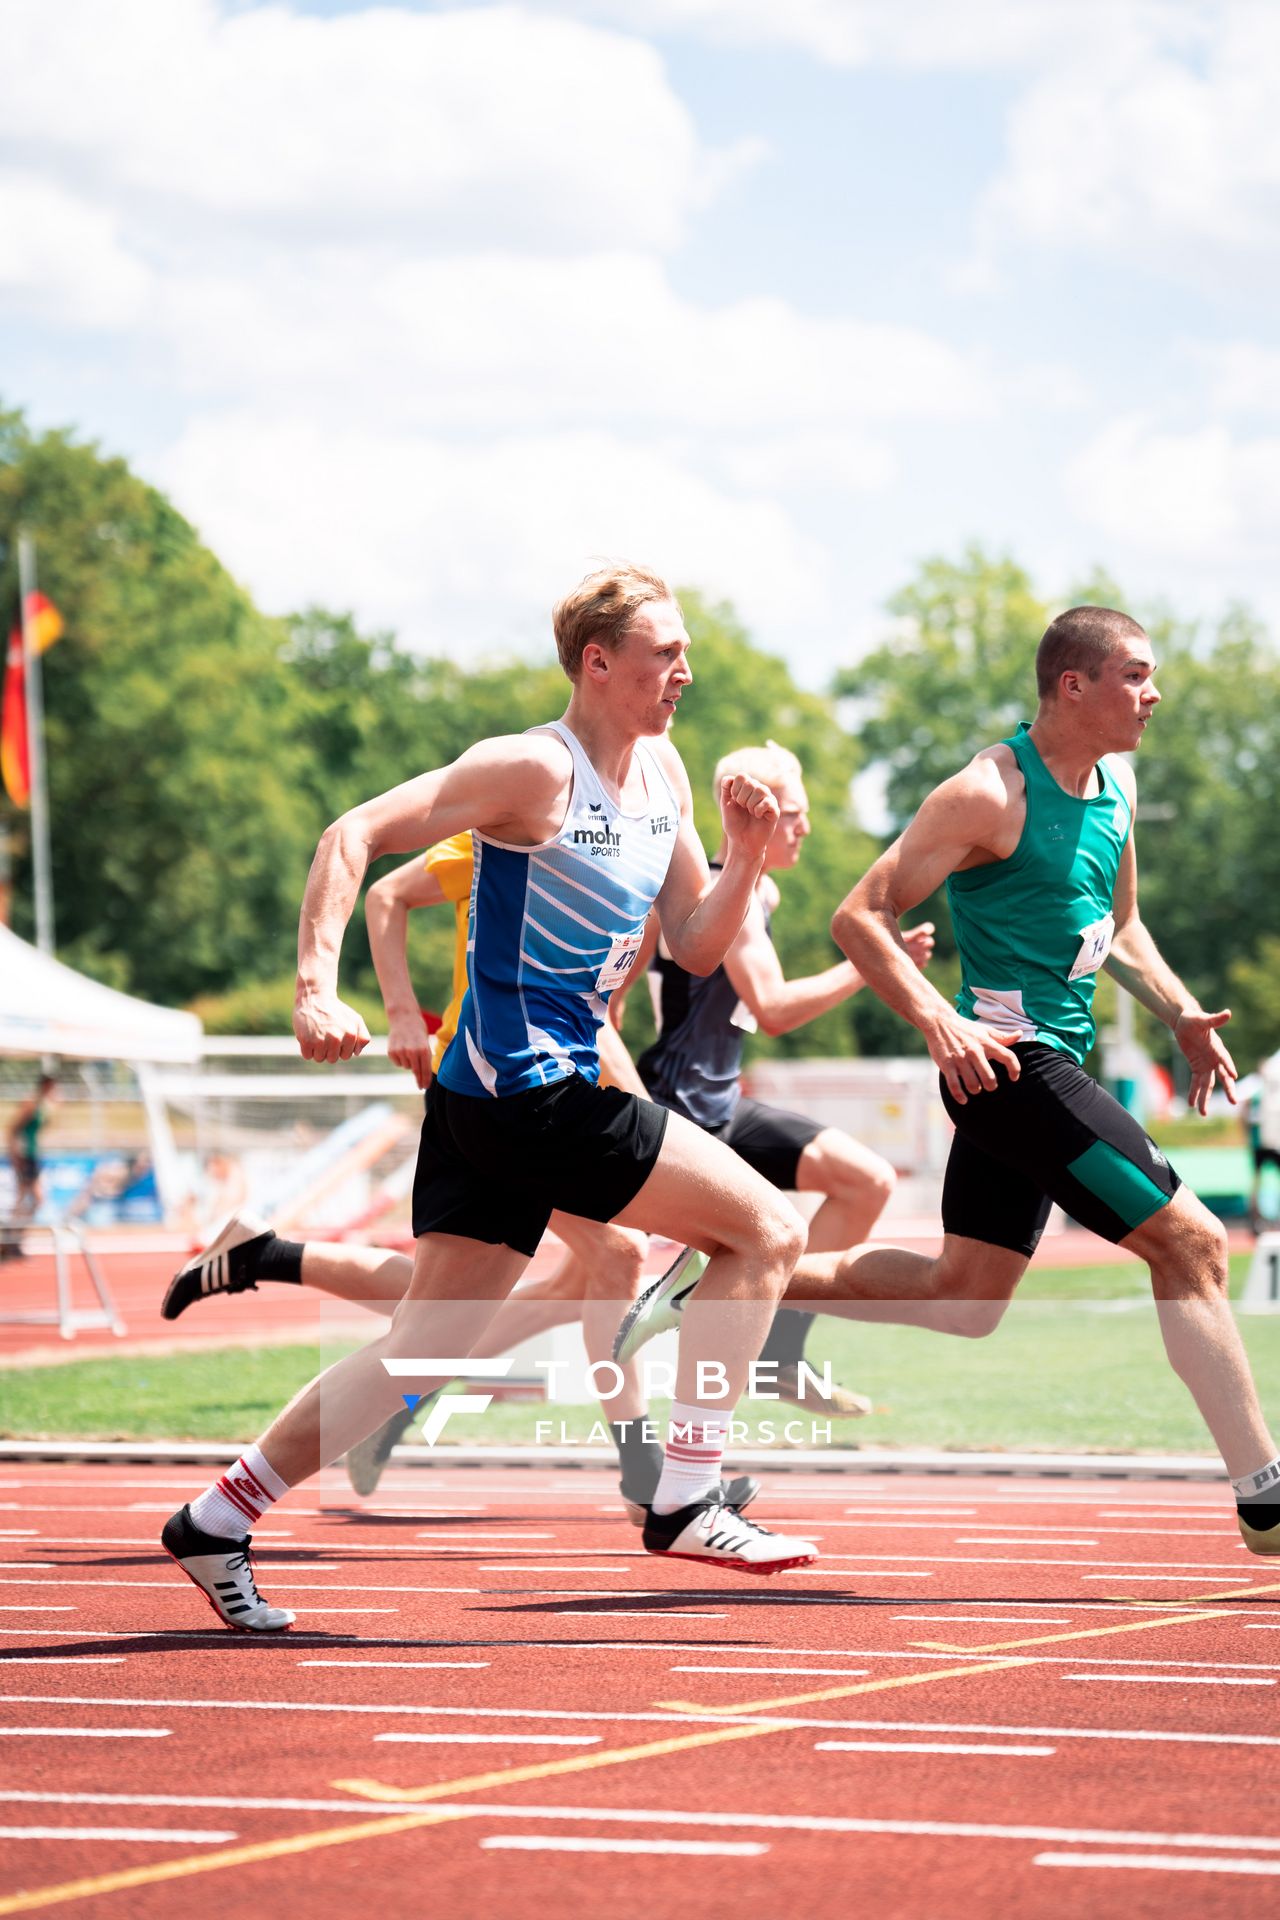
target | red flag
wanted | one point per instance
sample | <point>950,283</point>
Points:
<point>45,624</point>
<point>15,764</point>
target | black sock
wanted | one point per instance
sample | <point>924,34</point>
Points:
<point>640,1459</point>
<point>1261,1515</point>
<point>279,1260</point>
<point>784,1343</point>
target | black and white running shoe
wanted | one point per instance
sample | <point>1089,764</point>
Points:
<point>227,1265</point>
<point>223,1571</point>
<point>659,1307</point>
<point>711,1532</point>
<point>738,1492</point>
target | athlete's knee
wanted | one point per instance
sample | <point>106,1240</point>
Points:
<point>1194,1262</point>
<point>783,1231</point>
<point>967,1304</point>
<point>850,1173</point>
<point>619,1268</point>
<point>973,1318</point>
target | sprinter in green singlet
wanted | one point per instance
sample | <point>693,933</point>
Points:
<point>1034,839</point>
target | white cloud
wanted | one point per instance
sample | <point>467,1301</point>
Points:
<point>531,131</point>
<point>927,34</point>
<point>62,259</point>
<point>464,548</point>
<point>1130,150</point>
<point>1243,376</point>
<point>500,343</point>
<point>1201,497</point>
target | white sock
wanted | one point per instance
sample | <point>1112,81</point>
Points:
<point>237,1500</point>
<point>691,1463</point>
<point>1262,1485</point>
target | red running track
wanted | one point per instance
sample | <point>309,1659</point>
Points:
<point>993,1697</point>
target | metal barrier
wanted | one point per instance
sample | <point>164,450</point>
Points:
<point>66,1242</point>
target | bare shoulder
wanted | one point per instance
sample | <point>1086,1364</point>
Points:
<point>984,788</point>
<point>767,893</point>
<point>542,759</point>
<point>518,782</point>
<point>1123,775</point>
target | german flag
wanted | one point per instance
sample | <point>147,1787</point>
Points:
<point>45,625</point>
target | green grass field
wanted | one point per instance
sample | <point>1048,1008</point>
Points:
<point>1077,1365</point>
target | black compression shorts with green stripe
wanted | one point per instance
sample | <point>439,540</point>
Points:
<point>1053,1134</point>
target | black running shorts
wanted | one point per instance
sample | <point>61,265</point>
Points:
<point>496,1170</point>
<point>1052,1134</point>
<point>769,1139</point>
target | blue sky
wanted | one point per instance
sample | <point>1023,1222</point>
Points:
<point>420,309</point>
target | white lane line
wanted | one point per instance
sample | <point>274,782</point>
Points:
<point>642,1613</point>
<point>988,1619</point>
<point>890,1514</point>
<point>1170,1579</point>
<point>924,1746</point>
<point>489,1739</point>
<point>38,1606</point>
<point>84,1733</point>
<point>1174,1679</point>
<point>21,1566</point>
<point>665,1717</point>
<point>861,1573</point>
<point>525,1843</point>
<point>357,1610</point>
<point>664,1817</point>
<point>393,1663</point>
<point>504,1566</point>
<point>171,1836</point>
<point>294,1586</point>
<point>843,1673</point>
<point>1262,1626</point>
<point>61,1660</point>
<point>1155,1863</point>
<point>990,1540</point>
<point>464,1535</point>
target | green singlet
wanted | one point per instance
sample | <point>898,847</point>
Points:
<point>1033,930</point>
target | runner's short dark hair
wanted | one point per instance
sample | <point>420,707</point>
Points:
<point>1078,641</point>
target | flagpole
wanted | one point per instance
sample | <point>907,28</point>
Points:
<point>41,865</point>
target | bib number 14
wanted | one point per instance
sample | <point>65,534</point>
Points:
<point>1095,945</point>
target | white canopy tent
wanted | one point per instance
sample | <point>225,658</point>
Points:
<point>46,1007</point>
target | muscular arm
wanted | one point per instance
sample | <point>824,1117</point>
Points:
<point>1141,969</point>
<point>700,915</point>
<point>778,1004</point>
<point>507,787</point>
<point>388,904</point>
<point>963,821</point>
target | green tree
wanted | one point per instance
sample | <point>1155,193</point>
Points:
<point>178,826</point>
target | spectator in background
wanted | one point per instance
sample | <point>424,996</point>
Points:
<point>24,1157</point>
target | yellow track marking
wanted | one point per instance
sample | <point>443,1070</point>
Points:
<point>227,1857</point>
<point>651,1749</point>
<point>1206,1612</point>
<point>444,1790</point>
<point>842,1693</point>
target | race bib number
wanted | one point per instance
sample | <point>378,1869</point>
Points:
<point>1095,945</point>
<point>622,957</point>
